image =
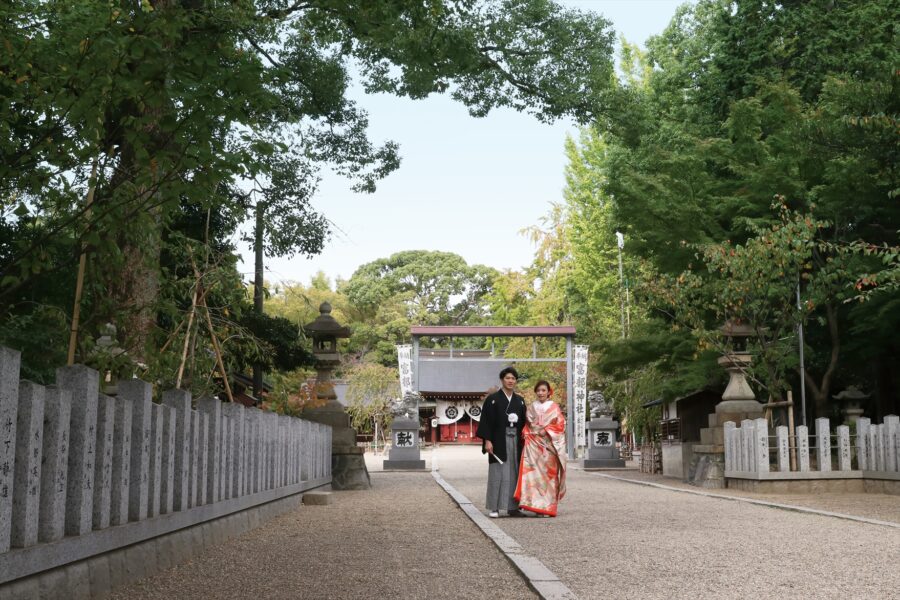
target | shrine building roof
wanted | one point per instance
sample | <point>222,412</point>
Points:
<point>493,331</point>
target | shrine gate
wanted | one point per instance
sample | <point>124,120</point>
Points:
<point>453,381</point>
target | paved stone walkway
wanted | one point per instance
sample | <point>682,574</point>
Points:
<point>615,539</point>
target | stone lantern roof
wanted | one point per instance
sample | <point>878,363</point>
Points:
<point>852,394</point>
<point>326,326</point>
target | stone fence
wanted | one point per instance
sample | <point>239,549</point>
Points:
<point>875,455</point>
<point>83,474</point>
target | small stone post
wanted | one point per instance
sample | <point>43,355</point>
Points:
<point>823,444</point>
<point>282,449</point>
<point>252,418</point>
<point>730,463</point>
<point>747,448</point>
<point>54,471</point>
<point>873,447</point>
<point>235,411</point>
<point>212,407</point>
<point>803,448</point>
<point>29,444</point>
<point>227,453</point>
<point>121,469</point>
<point>84,383</point>
<point>193,457</point>
<point>862,442</point>
<point>9,404</point>
<point>167,474</point>
<point>784,456</point>
<point>892,431</point>
<point>106,421</point>
<point>843,437</point>
<point>223,453</point>
<point>139,395</point>
<point>761,443</point>
<point>203,453</point>
<point>156,456</point>
<point>306,449</point>
<point>180,402</point>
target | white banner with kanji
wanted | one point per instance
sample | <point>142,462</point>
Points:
<point>404,359</point>
<point>579,394</point>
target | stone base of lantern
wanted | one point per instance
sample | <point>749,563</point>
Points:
<point>348,469</point>
<point>348,465</point>
<point>707,469</point>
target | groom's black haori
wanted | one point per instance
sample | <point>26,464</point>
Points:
<point>505,436</point>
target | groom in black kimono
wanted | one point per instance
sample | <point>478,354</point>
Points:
<point>500,429</point>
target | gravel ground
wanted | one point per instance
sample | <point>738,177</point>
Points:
<point>403,539</point>
<point>883,507</point>
<point>619,540</point>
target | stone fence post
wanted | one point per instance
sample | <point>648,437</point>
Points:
<point>803,448</point>
<point>823,444</point>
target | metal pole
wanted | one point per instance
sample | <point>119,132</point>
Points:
<point>627,310</point>
<point>621,242</point>
<point>802,366</point>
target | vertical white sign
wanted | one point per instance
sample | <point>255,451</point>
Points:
<point>404,360</point>
<point>579,393</point>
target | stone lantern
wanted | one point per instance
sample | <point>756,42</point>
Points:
<point>738,400</point>
<point>852,398</point>
<point>348,466</point>
<point>707,467</point>
<point>108,351</point>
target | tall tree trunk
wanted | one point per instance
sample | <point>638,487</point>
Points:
<point>134,288</point>
<point>258,282</point>
<point>140,290</point>
<point>821,390</point>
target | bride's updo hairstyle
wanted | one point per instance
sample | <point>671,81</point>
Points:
<point>546,383</point>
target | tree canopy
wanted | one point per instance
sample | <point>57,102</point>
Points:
<point>749,156</point>
<point>736,107</point>
<point>163,109</point>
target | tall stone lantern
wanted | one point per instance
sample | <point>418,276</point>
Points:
<point>348,466</point>
<point>738,401</point>
<point>707,467</point>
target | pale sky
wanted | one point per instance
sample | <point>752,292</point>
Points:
<point>465,185</point>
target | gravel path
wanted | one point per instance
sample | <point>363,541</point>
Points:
<point>620,540</point>
<point>883,507</point>
<point>403,539</point>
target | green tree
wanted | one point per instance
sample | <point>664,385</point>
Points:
<point>183,103</point>
<point>414,287</point>
<point>750,100</point>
